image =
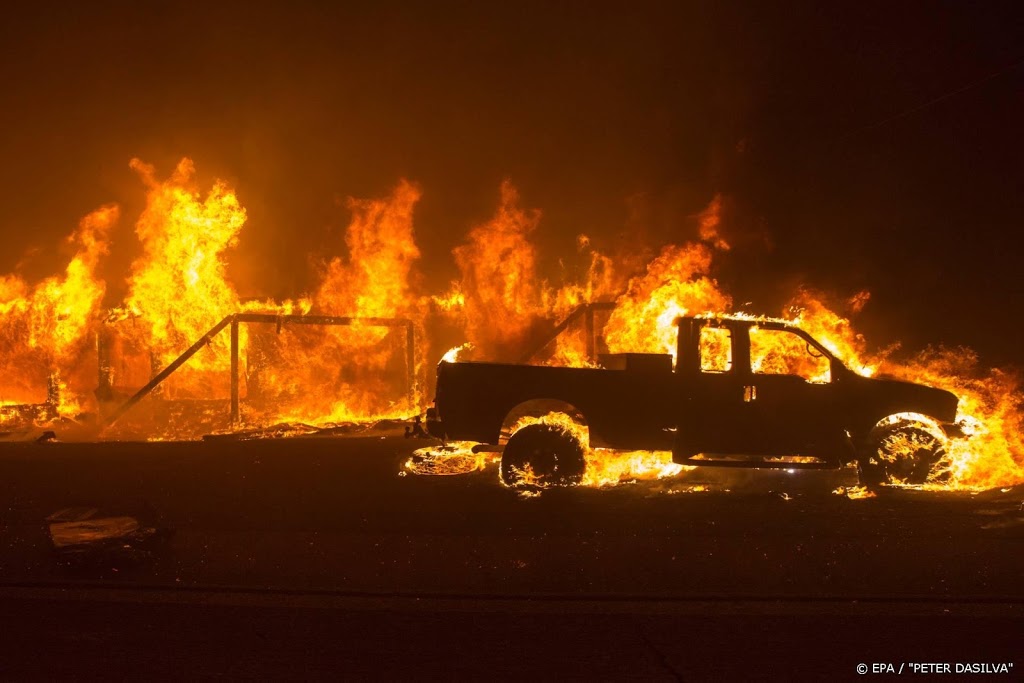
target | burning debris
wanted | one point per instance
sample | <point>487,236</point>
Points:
<point>451,458</point>
<point>603,467</point>
<point>46,332</point>
<point>63,357</point>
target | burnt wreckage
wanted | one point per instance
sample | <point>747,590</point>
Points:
<point>743,393</point>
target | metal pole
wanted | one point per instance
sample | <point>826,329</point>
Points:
<point>589,323</point>
<point>234,372</point>
<point>105,387</point>
<point>410,359</point>
<point>163,374</point>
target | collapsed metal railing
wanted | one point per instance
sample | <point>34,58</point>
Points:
<point>586,311</point>
<point>237,318</point>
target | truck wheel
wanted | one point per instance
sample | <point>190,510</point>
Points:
<point>542,455</point>
<point>901,454</point>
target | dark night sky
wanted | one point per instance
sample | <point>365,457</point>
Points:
<point>795,111</point>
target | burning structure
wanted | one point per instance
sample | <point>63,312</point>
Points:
<point>185,355</point>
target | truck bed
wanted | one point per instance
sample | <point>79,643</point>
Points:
<point>625,408</point>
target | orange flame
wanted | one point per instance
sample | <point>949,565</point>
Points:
<point>344,373</point>
<point>606,467</point>
<point>499,277</point>
<point>990,403</point>
<point>45,329</point>
<point>179,288</point>
<point>676,283</point>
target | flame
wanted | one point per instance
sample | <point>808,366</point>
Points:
<point>451,301</point>
<point>178,288</point>
<point>348,373</point>
<point>456,457</point>
<point>990,407</point>
<point>676,283</point>
<point>452,354</point>
<point>808,311</point>
<point>499,277</point>
<point>710,222</point>
<point>45,329</point>
<point>606,467</point>
<point>375,279</point>
<point>603,281</point>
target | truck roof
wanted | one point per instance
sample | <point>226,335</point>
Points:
<point>742,317</point>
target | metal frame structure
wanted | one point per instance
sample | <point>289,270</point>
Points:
<point>583,310</point>
<point>235,319</point>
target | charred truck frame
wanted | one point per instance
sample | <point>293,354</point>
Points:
<point>731,400</point>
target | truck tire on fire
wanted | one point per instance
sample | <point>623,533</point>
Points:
<point>903,453</point>
<point>542,455</point>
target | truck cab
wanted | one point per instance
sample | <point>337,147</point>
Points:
<point>768,388</point>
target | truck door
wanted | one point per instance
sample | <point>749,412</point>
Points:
<point>792,402</point>
<point>715,414</point>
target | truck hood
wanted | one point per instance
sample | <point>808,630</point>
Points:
<point>898,396</point>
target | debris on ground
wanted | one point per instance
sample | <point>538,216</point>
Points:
<point>855,492</point>
<point>80,537</point>
<point>453,458</point>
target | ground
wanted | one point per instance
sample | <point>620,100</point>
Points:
<point>313,557</point>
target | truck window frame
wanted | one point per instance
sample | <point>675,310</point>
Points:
<point>731,335</point>
<point>833,362</point>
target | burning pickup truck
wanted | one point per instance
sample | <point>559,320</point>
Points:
<point>742,393</point>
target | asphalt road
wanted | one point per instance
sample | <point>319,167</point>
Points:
<point>309,558</point>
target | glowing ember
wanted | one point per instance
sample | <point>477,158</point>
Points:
<point>456,457</point>
<point>855,492</point>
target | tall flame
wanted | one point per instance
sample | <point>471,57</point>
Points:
<point>676,283</point>
<point>499,277</point>
<point>375,279</point>
<point>344,373</point>
<point>179,287</point>
<point>45,329</point>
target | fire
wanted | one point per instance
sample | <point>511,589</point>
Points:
<point>360,361</point>
<point>808,311</point>
<point>990,403</point>
<point>452,355</point>
<point>178,288</point>
<point>456,457</point>
<point>607,467</point>
<point>990,406</point>
<point>45,329</point>
<point>499,277</point>
<point>676,283</point>
<point>710,222</point>
<point>361,367</point>
<point>375,279</point>
<point>603,281</point>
